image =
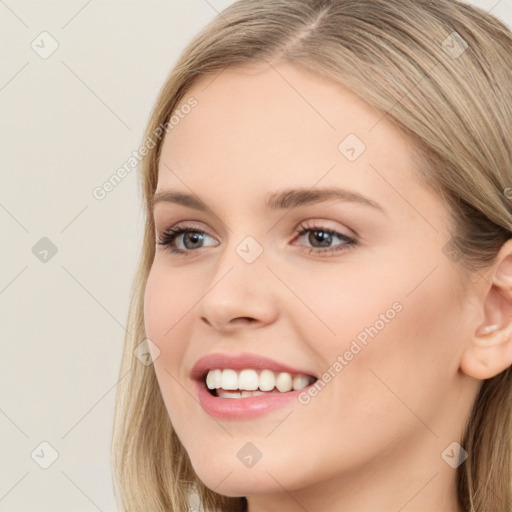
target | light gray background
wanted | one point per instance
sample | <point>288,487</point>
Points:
<point>68,123</point>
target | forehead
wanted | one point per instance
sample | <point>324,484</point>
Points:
<point>270,127</point>
<point>273,109</point>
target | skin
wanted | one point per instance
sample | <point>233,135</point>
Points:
<point>372,439</point>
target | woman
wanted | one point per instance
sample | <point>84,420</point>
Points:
<point>325,285</point>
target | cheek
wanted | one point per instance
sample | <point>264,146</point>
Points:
<point>165,301</point>
<point>165,310</point>
<point>345,306</point>
<point>410,357</point>
<point>385,335</point>
<point>405,364</point>
<point>165,307</point>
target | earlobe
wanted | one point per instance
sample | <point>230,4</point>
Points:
<point>489,351</point>
<point>487,329</point>
<point>488,354</point>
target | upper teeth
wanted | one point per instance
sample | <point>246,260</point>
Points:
<point>250,380</point>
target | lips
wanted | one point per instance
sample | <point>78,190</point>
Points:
<point>247,407</point>
<point>241,361</point>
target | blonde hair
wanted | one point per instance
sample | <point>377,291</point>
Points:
<point>408,60</point>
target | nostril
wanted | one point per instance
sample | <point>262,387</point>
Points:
<point>243,320</point>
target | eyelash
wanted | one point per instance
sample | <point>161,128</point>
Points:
<point>168,237</point>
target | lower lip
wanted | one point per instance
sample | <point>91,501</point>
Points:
<point>243,408</point>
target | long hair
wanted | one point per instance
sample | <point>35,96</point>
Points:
<point>441,72</point>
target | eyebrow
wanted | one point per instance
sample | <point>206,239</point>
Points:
<point>284,199</point>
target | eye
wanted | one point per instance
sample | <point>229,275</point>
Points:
<point>321,237</point>
<point>191,239</point>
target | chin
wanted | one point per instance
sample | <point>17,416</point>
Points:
<point>239,482</point>
<point>228,476</point>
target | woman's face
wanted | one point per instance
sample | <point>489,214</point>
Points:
<point>377,320</point>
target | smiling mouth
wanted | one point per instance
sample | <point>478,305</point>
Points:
<point>230,383</point>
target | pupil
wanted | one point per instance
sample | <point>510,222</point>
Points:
<point>322,237</point>
<point>194,236</point>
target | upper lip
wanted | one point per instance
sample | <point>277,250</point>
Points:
<point>240,361</point>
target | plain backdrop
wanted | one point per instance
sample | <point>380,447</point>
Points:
<point>68,121</point>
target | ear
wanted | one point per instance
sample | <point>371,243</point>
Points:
<point>489,352</point>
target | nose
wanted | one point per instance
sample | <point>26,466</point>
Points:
<point>239,295</point>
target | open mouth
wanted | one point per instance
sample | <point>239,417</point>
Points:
<point>229,383</point>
